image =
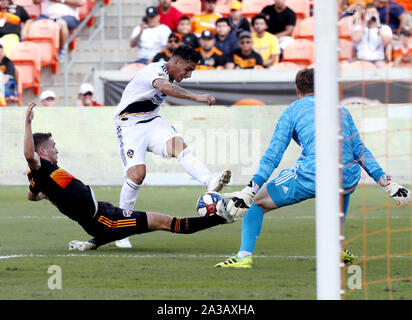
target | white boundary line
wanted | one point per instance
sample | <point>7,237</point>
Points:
<point>143,256</point>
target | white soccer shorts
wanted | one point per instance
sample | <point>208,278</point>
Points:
<point>135,141</point>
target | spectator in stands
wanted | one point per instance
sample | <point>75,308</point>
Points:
<point>169,15</point>
<point>265,43</point>
<point>7,67</point>
<point>393,14</point>
<point>65,13</point>
<point>25,19</point>
<point>85,97</point>
<point>211,57</point>
<point>402,53</point>
<point>9,25</point>
<point>48,98</point>
<point>206,20</point>
<point>175,40</point>
<point>184,28</point>
<point>150,37</point>
<point>226,40</point>
<point>244,57</point>
<point>348,6</point>
<point>238,22</point>
<point>371,37</point>
<point>281,21</point>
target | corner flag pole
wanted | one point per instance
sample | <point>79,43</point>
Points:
<point>328,277</point>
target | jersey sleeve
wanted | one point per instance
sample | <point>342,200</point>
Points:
<point>362,153</point>
<point>32,186</point>
<point>274,153</point>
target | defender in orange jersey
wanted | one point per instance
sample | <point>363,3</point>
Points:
<point>104,222</point>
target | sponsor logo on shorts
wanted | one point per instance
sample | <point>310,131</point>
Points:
<point>130,153</point>
<point>285,189</point>
<point>127,213</point>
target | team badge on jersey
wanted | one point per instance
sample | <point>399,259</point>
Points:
<point>130,153</point>
<point>127,213</point>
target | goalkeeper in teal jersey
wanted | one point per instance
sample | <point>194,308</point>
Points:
<point>296,184</point>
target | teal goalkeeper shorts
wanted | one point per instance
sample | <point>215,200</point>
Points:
<point>286,190</point>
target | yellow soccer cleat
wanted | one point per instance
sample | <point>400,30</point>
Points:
<point>236,262</point>
<point>347,256</point>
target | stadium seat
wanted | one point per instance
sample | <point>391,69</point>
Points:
<point>406,4</point>
<point>32,9</point>
<point>300,7</point>
<point>249,102</point>
<point>26,56</point>
<point>284,66</point>
<point>133,67</point>
<point>45,34</point>
<point>300,51</point>
<point>345,28</point>
<point>188,7</point>
<point>17,74</point>
<point>357,65</point>
<point>250,8</point>
<point>85,10</point>
<point>346,49</point>
<point>305,29</point>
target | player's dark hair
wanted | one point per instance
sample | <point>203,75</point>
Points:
<point>259,16</point>
<point>305,81</point>
<point>184,18</point>
<point>223,19</point>
<point>186,52</point>
<point>39,138</point>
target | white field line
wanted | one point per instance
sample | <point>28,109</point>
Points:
<point>143,256</point>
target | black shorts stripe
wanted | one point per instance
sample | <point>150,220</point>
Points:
<point>139,107</point>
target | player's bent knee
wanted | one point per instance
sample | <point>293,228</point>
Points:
<point>264,201</point>
<point>175,146</point>
<point>137,174</point>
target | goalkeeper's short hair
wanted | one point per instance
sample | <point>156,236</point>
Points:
<point>305,81</point>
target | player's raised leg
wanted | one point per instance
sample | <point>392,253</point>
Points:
<point>177,148</point>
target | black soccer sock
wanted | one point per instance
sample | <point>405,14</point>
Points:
<point>191,225</point>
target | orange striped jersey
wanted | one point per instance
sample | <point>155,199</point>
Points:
<point>251,61</point>
<point>205,21</point>
<point>210,60</point>
<point>402,52</point>
<point>73,198</point>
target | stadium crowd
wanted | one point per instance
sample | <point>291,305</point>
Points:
<point>372,31</point>
<point>278,34</point>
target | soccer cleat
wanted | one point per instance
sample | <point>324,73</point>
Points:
<point>216,183</point>
<point>81,245</point>
<point>347,256</point>
<point>236,262</point>
<point>123,243</point>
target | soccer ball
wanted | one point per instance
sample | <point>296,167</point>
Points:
<point>210,203</point>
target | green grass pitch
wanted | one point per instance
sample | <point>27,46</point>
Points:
<point>162,265</point>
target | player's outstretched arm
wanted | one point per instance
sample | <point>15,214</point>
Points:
<point>241,201</point>
<point>174,90</point>
<point>32,158</point>
<point>397,192</point>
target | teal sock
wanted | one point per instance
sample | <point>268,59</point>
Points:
<point>251,227</point>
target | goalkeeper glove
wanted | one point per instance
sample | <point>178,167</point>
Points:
<point>241,201</point>
<point>398,193</point>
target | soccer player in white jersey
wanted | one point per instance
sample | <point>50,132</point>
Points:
<point>140,128</point>
<point>297,184</point>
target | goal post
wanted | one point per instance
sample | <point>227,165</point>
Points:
<point>328,261</point>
